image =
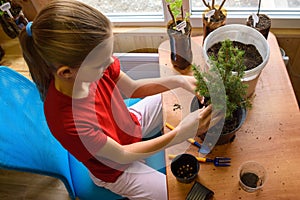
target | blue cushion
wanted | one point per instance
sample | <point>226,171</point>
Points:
<point>26,143</point>
<point>156,161</point>
<point>131,101</point>
<point>84,186</point>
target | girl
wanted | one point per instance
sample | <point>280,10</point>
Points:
<point>68,48</point>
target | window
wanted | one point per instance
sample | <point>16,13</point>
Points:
<point>253,4</point>
<point>130,11</point>
<point>148,7</point>
<point>284,13</point>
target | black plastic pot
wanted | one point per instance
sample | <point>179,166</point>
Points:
<point>180,44</point>
<point>185,168</point>
<point>229,135</point>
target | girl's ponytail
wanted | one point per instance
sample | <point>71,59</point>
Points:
<point>40,72</point>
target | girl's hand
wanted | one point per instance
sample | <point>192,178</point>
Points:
<point>187,82</point>
<point>196,123</point>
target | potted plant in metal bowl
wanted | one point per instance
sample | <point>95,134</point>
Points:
<point>179,30</point>
<point>225,90</point>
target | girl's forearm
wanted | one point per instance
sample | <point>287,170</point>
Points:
<point>147,87</point>
<point>150,86</point>
<point>137,151</point>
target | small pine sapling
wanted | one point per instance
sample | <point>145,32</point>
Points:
<point>229,65</point>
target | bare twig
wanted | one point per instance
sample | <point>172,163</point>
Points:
<point>258,7</point>
<point>221,5</point>
<point>169,9</point>
<point>182,15</point>
<point>206,4</point>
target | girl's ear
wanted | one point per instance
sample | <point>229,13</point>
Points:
<point>65,72</point>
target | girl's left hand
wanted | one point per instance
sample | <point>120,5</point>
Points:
<point>189,83</point>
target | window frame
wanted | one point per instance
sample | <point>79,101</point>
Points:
<point>280,18</point>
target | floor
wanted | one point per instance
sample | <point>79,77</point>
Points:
<point>20,185</point>
<point>13,54</point>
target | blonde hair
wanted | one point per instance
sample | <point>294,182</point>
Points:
<point>63,33</point>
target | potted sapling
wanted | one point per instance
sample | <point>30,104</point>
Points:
<point>221,85</point>
<point>260,22</point>
<point>213,17</point>
<point>179,31</point>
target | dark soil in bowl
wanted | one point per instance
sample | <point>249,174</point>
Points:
<point>252,57</point>
<point>250,179</point>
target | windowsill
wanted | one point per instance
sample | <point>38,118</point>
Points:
<point>161,30</point>
<point>287,20</point>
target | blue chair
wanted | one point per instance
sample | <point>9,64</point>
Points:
<point>26,143</point>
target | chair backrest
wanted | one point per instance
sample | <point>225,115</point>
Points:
<point>26,143</point>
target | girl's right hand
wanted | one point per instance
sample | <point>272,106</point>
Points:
<point>196,123</point>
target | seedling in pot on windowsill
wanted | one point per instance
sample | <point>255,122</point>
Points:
<point>179,31</point>
<point>213,17</point>
<point>260,22</point>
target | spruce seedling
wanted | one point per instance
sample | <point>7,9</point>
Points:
<point>229,64</point>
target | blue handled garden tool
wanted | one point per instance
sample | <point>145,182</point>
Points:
<point>217,161</point>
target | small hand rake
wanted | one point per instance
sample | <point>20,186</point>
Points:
<point>218,161</point>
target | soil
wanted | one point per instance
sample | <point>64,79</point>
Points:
<point>252,57</point>
<point>229,126</point>
<point>264,22</point>
<point>213,19</point>
<point>232,123</point>
<point>185,172</point>
<point>250,179</point>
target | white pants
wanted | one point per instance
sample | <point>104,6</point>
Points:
<point>139,181</point>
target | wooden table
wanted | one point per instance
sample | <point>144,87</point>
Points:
<point>270,134</point>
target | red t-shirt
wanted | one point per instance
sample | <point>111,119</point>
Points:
<point>83,125</point>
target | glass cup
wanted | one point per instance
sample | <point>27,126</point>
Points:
<point>252,176</point>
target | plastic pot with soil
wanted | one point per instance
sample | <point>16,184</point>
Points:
<point>260,22</point>
<point>185,168</point>
<point>180,44</point>
<point>179,30</point>
<point>213,17</point>
<point>252,176</point>
<point>245,38</point>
